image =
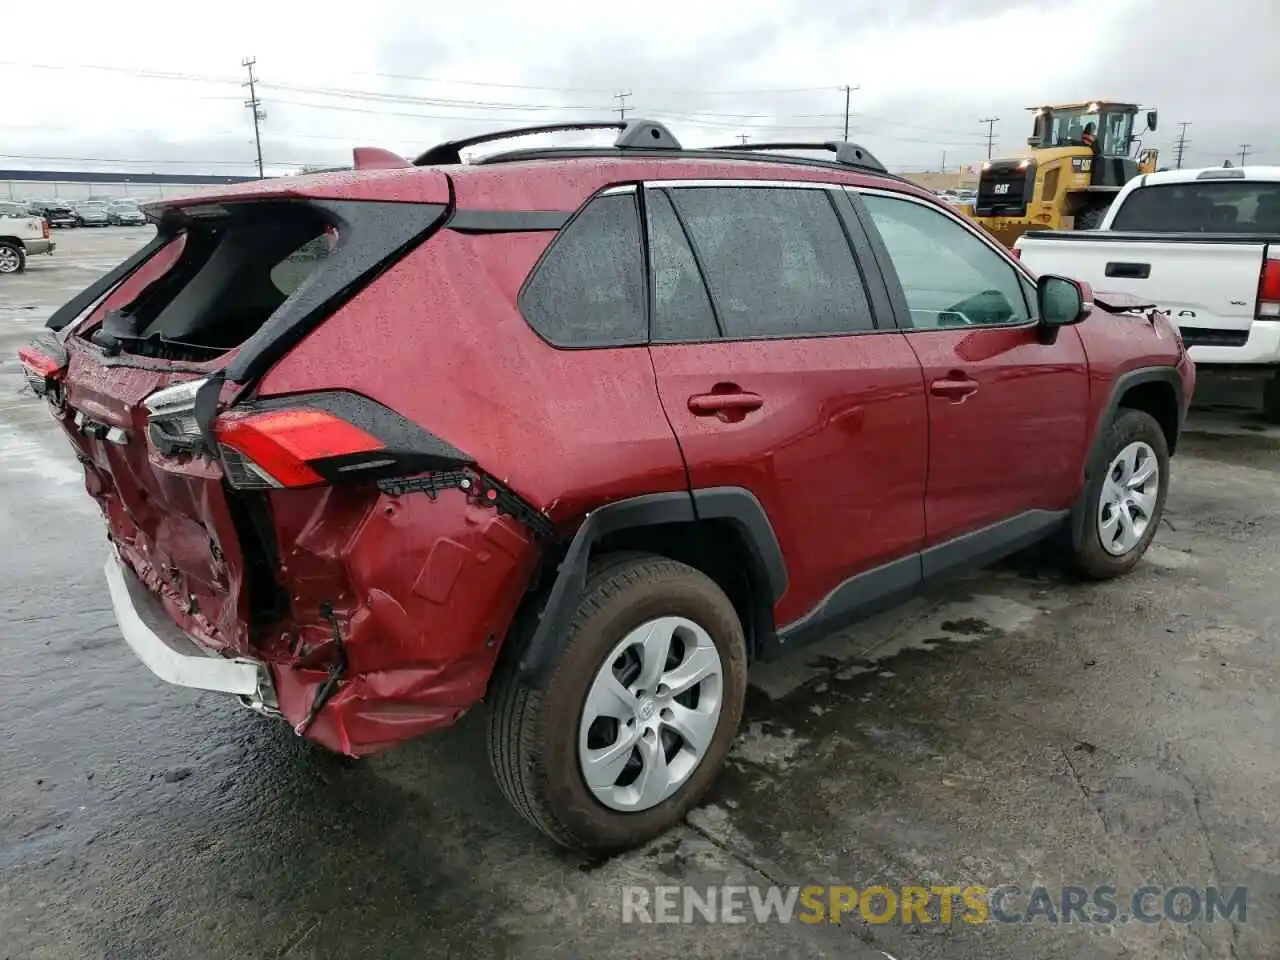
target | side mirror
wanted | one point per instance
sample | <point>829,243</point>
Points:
<point>1060,301</point>
<point>1152,117</point>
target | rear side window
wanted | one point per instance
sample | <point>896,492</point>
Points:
<point>589,288</point>
<point>1247,206</point>
<point>776,260</point>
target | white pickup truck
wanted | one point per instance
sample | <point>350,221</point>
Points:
<point>22,234</point>
<point>1201,245</point>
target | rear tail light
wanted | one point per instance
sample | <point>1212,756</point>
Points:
<point>1017,254</point>
<point>171,418</point>
<point>276,448</point>
<point>44,227</point>
<point>44,364</point>
<point>1269,285</point>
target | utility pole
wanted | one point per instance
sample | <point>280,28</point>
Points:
<point>742,137</point>
<point>1244,152</point>
<point>848,93</point>
<point>991,132</point>
<point>254,104</point>
<point>1181,144</point>
<point>944,162</point>
<point>622,104</point>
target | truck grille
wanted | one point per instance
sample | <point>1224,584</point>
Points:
<point>1005,189</point>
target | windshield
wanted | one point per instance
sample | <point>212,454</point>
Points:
<point>124,207</point>
<point>1112,128</point>
<point>8,209</point>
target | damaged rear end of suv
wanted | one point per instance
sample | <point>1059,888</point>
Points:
<point>256,543</point>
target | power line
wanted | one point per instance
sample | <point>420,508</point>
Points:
<point>991,136</point>
<point>1181,144</point>
<point>210,78</point>
<point>254,104</point>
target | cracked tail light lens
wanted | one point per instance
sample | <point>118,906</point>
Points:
<point>41,370</point>
<point>276,448</point>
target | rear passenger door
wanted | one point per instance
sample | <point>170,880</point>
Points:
<point>775,377</point>
<point>1007,411</point>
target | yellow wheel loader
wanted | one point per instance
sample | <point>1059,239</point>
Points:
<point>1079,156</point>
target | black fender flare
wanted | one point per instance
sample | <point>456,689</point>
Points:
<point>734,504</point>
<point>1122,385</point>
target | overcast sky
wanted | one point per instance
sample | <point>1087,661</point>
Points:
<point>403,75</point>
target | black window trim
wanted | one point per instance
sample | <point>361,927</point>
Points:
<point>697,262</point>
<point>889,274</point>
<point>832,190</point>
<point>612,189</point>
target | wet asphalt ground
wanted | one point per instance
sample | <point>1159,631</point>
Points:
<point>1013,729</point>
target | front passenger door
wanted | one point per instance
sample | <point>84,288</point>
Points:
<point>1007,412</point>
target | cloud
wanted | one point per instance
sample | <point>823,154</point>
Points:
<point>334,74</point>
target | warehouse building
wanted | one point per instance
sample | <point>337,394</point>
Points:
<point>77,185</point>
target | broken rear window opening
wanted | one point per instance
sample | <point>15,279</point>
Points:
<point>235,271</point>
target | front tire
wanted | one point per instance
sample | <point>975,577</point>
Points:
<point>633,719</point>
<point>13,259</point>
<point>1124,502</point>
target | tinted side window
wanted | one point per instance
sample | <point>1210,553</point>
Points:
<point>589,288</point>
<point>1247,206</point>
<point>949,277</point>
<point>776,259</point>
<point>681,306</point>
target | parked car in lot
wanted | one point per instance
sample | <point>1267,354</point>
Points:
<point>22,234</point>
<point>1202,244</point>
<point>126,214</point>
<point>56,213</point>
<point>91,214</point>
<point>582,432</point>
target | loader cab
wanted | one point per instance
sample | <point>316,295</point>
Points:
<point>1112,128</point>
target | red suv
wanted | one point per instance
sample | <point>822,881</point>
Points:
<point>582,432</point>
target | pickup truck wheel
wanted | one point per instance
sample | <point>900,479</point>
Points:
<point>13,259</point>
<point>1125,501</point>
<point>631,723</point>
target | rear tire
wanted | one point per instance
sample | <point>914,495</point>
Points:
<point>1124,502</point>
<point>13,259</point>
<point>545,734</point>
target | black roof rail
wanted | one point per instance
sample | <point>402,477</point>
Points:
<point>848,154</point>
<point>633,134</point>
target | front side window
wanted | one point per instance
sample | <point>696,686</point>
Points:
<point>588,290</point>
<point>949,276</point>
<point>776,260</point>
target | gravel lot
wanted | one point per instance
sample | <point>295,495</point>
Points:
<point>1014,729</point>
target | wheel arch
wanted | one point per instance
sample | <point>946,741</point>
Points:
<point>1153,390</point>
<point>722,531</point>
